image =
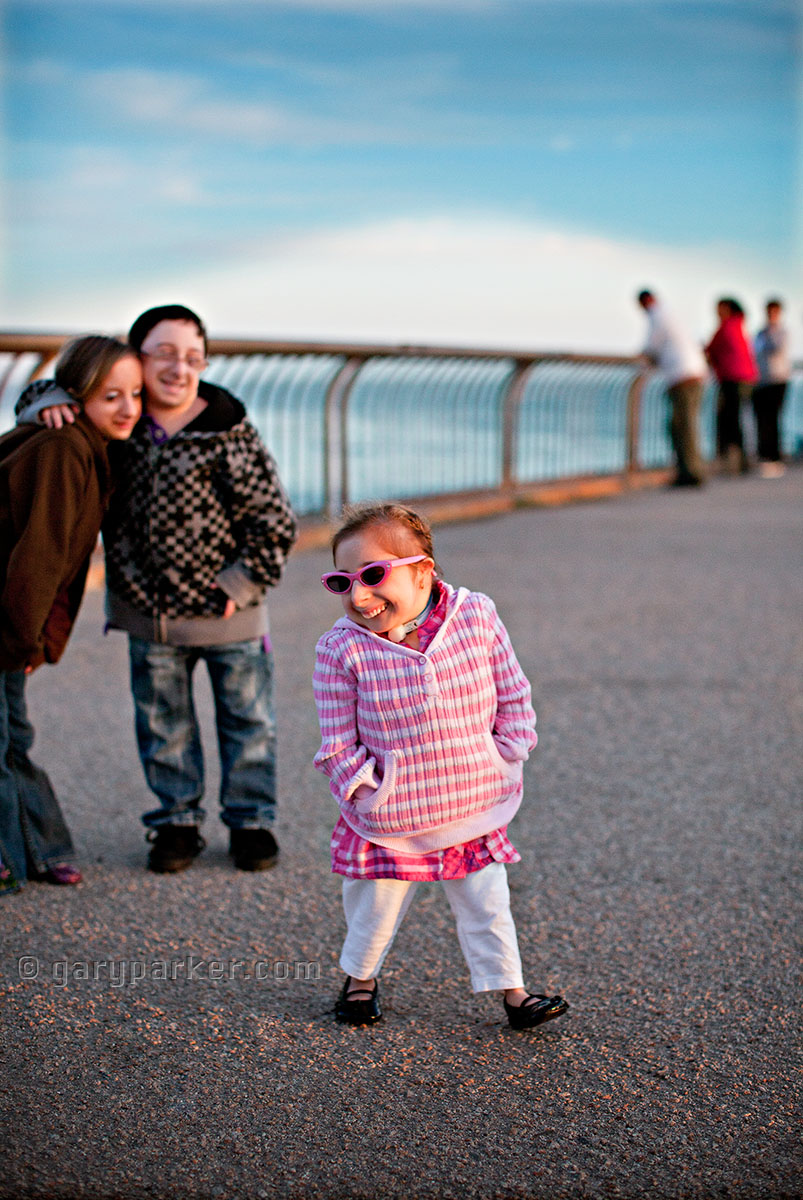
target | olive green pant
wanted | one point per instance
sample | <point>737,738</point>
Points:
<point>685,398</point>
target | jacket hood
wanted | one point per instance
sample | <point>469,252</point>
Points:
<point>223,410</point>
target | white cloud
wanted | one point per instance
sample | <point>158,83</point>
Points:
<point>484,281</point>
<point>462,281</point>
<point>561,143</point>
<point>183,102</point>
<point>403,100</point>
<point>102,187</point>
<point>370,6</point>
<point>397,77</point>
<point>373,6</point>
<point>388,102</point>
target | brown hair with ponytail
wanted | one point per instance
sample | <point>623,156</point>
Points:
<point>404,529</point>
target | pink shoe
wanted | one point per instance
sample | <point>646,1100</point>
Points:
<point>64,874</point>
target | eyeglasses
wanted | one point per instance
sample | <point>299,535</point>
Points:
<point>371,575</point>
<point>169,358</point>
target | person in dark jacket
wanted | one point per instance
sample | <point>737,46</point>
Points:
<point>55,487</point>
<point>199,528</point>
<point>775,369</point>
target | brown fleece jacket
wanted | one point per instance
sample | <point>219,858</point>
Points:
<point>54,489</point>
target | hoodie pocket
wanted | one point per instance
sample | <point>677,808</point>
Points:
<point>510,770</point>
<point>369,800</point>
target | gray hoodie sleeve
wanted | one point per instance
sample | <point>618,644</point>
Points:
<point>39,395</point>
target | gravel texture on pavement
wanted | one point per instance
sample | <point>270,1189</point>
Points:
<point>659,892</point>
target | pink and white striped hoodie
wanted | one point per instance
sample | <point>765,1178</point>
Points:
<point>424,750</point>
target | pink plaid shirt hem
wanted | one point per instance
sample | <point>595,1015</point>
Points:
<point>357,858</point>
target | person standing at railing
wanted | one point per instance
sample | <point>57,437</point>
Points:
<point>199,528</point>
<point>731,358</point>
<point>426,723</point>
<point>774,369</point>
<point>674,353</point>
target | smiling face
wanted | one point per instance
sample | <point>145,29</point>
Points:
<point>403,594</point>
<point>114,406</point>
<point>168,354</point>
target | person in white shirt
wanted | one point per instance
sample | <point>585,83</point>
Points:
<point>774,365</point>
<point>674,353</point>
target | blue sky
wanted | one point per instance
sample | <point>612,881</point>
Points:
<point>472,171</point>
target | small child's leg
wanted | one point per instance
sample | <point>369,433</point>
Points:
<point>481,906</point>
<point>374,909</point>
<point>487,934</point>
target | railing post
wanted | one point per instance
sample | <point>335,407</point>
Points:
<point>634,396</point>
<point>335,449</point>
<point>510,409</point>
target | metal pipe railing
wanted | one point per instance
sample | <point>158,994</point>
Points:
<point>348,421</point>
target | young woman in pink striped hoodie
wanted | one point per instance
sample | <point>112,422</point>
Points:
<point>426,722</point>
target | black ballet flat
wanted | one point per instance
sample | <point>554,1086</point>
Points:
<point>349,1010</point>
<point>535,1010</point>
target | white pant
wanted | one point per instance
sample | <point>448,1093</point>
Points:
<point>375,908</point>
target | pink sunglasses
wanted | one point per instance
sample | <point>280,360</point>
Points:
<point>371,575</point>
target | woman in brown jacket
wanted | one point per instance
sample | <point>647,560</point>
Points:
<point>54,488</point>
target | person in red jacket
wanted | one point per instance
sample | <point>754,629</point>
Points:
<point>55,486</point>
<point>731,357</point>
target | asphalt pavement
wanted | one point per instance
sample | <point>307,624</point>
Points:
<point>173,1036</point>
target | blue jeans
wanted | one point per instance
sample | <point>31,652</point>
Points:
<point>169,737</point>
<point>33,832</point>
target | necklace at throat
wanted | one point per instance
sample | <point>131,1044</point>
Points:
<point>399,632</point>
